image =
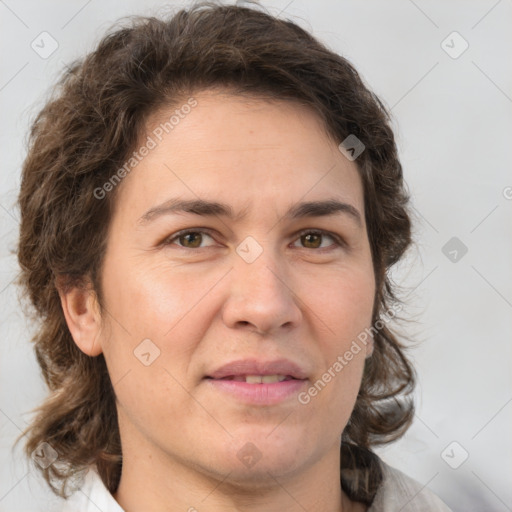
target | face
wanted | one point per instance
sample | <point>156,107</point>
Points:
<point>247,280</point>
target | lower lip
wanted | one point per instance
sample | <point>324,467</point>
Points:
<point>259,394</point>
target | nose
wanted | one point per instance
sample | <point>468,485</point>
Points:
<point>261,296</point>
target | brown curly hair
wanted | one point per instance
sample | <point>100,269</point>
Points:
<point>88,129</point>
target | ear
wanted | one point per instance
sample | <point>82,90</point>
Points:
<point>82,313</point>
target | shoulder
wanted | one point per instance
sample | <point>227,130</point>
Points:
<point>400,492</point>
<point>92,496</point>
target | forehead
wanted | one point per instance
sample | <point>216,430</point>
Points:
<point>247,152</point>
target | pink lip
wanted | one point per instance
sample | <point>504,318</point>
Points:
<point>259,394</point>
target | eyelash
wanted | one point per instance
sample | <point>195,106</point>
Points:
<point>338,241</point>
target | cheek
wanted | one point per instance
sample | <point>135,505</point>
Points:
<point>342,312</point>
<point>154,299</point>
<point>343,301</point>
<point>150,339</point>
<point>166,305</point>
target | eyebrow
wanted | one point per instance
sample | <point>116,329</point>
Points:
<point>212,208</point>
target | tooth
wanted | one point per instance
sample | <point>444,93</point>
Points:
<point>264,379</point>
<point>268,379</point>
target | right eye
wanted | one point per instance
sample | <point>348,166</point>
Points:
<point>188,239</point>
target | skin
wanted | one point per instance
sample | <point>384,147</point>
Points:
<point>304,298</point>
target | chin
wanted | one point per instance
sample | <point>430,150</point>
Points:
<point>260,474</point>
<point>257,456</point>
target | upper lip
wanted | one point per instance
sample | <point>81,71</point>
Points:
<point>257,367</point>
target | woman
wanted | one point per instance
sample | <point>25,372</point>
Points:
<point>210,205</point>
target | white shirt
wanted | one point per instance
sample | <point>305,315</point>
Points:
<point>397,492</point>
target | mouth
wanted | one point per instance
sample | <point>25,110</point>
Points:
<point>257,379</point>
<point>259,371</point>
<point>258,383</point>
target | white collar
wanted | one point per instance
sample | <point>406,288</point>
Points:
<point>92,496</point>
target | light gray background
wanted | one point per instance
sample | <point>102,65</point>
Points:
<point>453,122</point>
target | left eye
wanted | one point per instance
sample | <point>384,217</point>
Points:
<point>313,239</point>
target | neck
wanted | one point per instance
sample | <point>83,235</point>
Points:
<point>155,482</point>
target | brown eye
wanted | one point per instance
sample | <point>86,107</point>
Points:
<point>312,240</point>
<point>315,240</point>
<point>189,239</point>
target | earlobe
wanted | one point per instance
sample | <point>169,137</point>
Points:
<point>80,308</point>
